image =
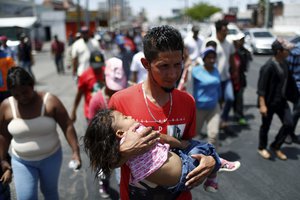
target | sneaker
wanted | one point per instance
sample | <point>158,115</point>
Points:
<point>210,186</point>
<point>242,122</point>
<point>103,190</point>
<point>264,153</point>
<point>224,125</point>
<point>227,166</point>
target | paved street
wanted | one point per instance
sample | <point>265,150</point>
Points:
<point>257,179</point>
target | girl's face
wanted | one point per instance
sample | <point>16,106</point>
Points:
<point>122,122</point>
<point>23,94</point>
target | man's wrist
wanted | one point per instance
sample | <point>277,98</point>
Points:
<point>216,157</point>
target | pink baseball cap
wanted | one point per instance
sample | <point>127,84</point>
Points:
<point>115,77</point>
<point>3,38</point>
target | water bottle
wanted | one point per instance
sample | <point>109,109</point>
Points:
<point>74,164</point>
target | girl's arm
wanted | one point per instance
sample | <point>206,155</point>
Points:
<point>173,142</point>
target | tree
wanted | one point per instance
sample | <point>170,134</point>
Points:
<point>201,11</point>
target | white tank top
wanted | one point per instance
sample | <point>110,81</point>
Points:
<point>33,139</point>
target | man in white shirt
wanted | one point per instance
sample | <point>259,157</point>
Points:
<point>225,60</point>
<point>81,51</point>
<point>138,71</point>
<point>192,43</point>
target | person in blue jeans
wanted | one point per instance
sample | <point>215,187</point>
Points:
<point>28,122</point>
<point>166,164</point>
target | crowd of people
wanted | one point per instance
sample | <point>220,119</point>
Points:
<point>149,99</point>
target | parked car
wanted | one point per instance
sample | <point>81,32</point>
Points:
<point>233,31</point>
<point>259,40</point>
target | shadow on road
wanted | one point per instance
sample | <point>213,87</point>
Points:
<point>230,155</point>
<point>292,153</point>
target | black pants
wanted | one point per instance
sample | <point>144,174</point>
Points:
<point>59,62</point>
<point>296,115</point>
<point>285,115</point>
<point>238,104</point>
<point>158,193</point>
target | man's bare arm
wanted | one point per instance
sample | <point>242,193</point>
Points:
<point>200,173</point>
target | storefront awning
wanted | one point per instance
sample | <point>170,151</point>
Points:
<point>23,22</point>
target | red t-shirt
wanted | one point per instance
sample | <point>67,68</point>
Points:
<point>180,124</point>
<point>97,102</point>
<point>235,73</point>
<point>89,83</point>
<point>57,47</point>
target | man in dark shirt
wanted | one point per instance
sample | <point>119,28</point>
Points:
<point>294,66</point>
<point>24,54</point>
<point>272,99</point>
<point>57,50</point>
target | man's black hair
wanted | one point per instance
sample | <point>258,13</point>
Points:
<point>219,24</point>
<point>161,39</point>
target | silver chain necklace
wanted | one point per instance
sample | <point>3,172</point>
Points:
<point>104,97</point>
<point>146,101</point>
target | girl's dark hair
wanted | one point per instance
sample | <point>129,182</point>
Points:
<point>161,39</point>
<point>17,76</point>
<point>101,143</point>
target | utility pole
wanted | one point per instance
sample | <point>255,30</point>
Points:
<point>186,6</point>
<point>33,33</point>
<point>267,11</point>
<point>78,15</point>
<point>87,14</point>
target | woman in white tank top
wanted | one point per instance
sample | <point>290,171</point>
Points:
<point>28,124</point>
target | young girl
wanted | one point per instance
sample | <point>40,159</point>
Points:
<point>166,168</point>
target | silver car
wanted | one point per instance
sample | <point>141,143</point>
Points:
<point>259,40</point>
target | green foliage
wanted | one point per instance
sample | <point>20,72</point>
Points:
<point>201,11</point>
<point>262,2</point>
